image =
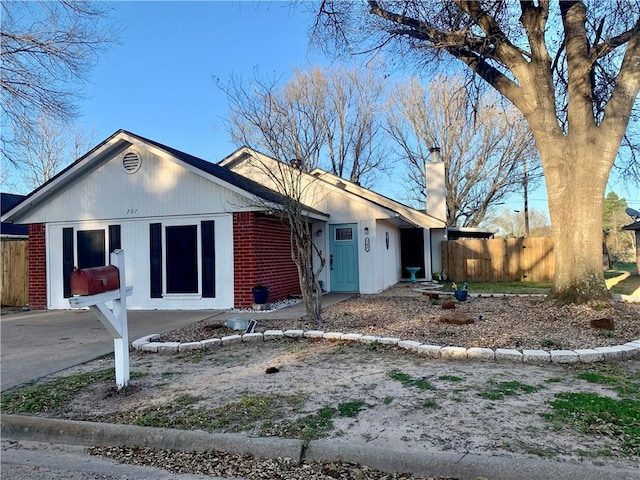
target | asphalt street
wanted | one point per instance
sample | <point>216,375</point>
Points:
<point>27,460</point>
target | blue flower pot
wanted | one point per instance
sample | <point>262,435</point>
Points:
<point>260,296</point>
<point>461,295</point>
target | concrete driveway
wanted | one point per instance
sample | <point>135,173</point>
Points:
<point>39,343</point>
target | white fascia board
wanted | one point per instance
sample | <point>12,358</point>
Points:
<point>14,237</point>
<point>315,215</point>
<point>240,154</point>
<point>419,218</point>
<point>260,205</point>
<point>244,153</point>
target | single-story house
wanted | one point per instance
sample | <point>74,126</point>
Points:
<point>371,239</point>
<point>199,235</point>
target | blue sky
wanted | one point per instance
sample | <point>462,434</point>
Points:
<point>158,81</point>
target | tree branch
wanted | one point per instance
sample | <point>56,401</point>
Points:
<point>608,45</point>
<point>617,112</point>
<point>506,52</point>
<point>580,107</point>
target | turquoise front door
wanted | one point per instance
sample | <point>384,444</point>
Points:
<point>343,257</point>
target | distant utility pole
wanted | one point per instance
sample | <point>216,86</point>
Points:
<point>525,185</point>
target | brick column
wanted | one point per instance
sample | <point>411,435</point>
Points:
<point>37,267</point>
<point>244,263</point>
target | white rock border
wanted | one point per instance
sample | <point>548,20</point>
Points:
<point>629,350</point>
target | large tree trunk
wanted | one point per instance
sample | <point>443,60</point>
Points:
<point>576,176</point>
<point>578,145</point>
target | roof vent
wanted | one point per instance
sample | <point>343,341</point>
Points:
<point>131,162</point>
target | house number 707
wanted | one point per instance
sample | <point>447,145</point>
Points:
<point>131,211</point>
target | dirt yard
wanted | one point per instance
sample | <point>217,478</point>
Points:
<point>392,398</point>
<point>385,396</point>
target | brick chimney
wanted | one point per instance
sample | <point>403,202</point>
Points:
<point>436,186</point>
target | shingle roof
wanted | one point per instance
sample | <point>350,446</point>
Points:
<point>633,226</point>
<point>7,201</point>
<point>224,174</point>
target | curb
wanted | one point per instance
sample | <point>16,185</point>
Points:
<point>461,465</point>
<point>627,351</point>
<point>93,434</point>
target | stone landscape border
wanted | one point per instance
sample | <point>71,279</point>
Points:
<point>629,350</point>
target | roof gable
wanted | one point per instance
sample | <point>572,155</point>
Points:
<point>413,215</point>
<point>123,140</point>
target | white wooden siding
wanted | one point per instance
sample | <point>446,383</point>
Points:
<point>135,243</point>
<point>160,188</point>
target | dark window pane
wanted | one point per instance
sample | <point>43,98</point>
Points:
<point>344,233</point>
<point>114,238</point>
<point>208,259</point>
<point>182,259</point>
<point>91,251</point>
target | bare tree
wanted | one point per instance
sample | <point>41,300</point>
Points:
<point>511,223</point>
<point>484,146</point>
<point>345,109</point>
<point>352,117</point>
<point>46,50</point>
<point>47,148</point>
<point>317,117</point>
<point>572,68</point>
<point>266,120</point>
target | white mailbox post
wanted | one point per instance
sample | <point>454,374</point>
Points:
<point>114,321</point>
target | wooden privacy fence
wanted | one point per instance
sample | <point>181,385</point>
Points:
<point>500,259</point>
<point>14,289</point>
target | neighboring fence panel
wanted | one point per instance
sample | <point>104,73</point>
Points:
<point>14,289</point>
<point>500,259</point>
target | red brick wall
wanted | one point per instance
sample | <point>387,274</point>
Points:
<point>37,267</point>
<point>262,255</point>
